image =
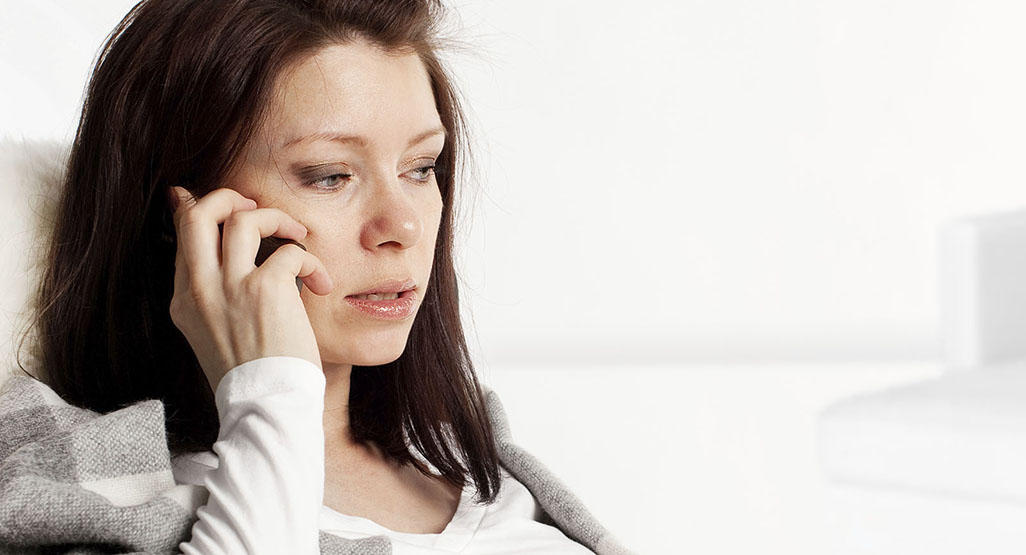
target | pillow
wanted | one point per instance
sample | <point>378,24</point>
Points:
<point>31,172</point>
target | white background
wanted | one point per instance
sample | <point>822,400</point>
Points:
<point>670,188</point>
<point>685,180</point>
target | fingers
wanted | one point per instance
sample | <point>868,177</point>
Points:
<point>243,232</point>
<point>196,221</point>
<point>290,261</point>
<point>209,256</point>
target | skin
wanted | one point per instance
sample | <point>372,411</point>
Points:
<point>381,223</point>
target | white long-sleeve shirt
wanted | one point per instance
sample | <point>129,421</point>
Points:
<point>265,478</point>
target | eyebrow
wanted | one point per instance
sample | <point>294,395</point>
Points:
<point>356,139</point>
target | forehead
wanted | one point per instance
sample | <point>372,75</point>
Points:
<point>355,88</point>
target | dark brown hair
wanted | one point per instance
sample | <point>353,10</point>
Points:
<point>177,91</point>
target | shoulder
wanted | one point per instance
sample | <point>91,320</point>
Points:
<point>489,395</point>
<point>496,413</point>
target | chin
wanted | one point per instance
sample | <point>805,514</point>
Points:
<point>374,359</point>
<point>367,349</point>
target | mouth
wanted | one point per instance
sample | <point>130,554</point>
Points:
<point>392,306</point>
<point>387,289</point>
<point>376,297</point>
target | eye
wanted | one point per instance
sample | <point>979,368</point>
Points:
<point>335,181</point>
<point>426,171</point>
<point>328,178</point>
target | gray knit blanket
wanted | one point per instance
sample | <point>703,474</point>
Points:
<point>75,481</point>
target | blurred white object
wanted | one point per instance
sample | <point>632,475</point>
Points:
<point>939,466</point>
<point>30,171</point>
<point>983,299</point>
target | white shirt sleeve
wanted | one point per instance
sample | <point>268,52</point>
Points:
<point>266,493</point>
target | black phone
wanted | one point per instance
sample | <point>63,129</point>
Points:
<point>267,247</point>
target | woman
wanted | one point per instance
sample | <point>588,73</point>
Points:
<point>208,127</point>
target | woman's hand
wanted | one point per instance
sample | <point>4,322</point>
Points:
<point>230,310</point>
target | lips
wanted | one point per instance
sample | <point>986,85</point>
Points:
<point>388,286</point>
<point>386,309</point>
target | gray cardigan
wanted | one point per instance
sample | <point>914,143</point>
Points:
<point>89,482</point>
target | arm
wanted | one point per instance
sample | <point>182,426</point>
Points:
<point>267,491</point>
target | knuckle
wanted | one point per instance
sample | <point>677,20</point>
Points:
<point>259,285</point>
<point>176,310</point>
<point>189,218</point>
<point>195,299</point>
<point>237,218</point>
<point>297,253</point>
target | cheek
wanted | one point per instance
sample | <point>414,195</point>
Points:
<point>435,210</point>
<point>432,218</point>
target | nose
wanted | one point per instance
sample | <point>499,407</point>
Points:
<point>392,218</point>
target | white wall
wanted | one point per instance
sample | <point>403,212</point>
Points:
<point>678,180</point>
<point>771,174</point>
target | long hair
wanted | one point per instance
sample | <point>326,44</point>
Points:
<point>177,91</point>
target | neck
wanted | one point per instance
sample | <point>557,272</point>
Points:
<point>338,441</point>
<point>336,403</point>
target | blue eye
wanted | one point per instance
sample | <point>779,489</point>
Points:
<point>428,169</point>
<point>313,182</point>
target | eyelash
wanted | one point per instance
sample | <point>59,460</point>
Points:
<point>314,181</point>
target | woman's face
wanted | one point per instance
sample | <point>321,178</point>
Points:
<point>380,222</point>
